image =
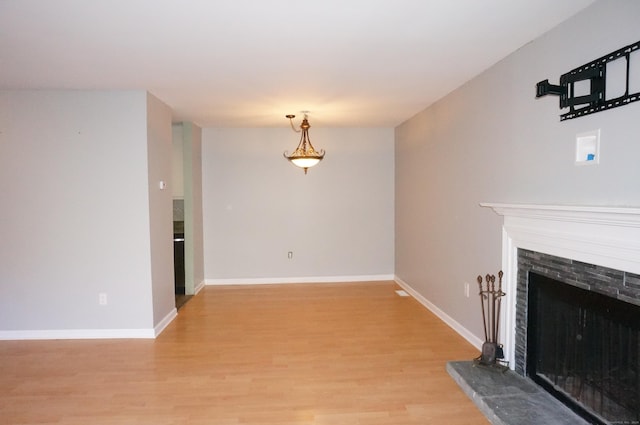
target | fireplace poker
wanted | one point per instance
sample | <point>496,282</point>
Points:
<point>482,296</point>
<point>493,307</point>
<point>500,295</point>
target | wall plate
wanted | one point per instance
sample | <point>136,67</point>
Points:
<point>588,148</point>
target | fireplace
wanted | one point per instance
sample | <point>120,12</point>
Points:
<point>583,347</point>
<point>587,253</point>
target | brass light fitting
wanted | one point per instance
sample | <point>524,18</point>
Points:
<point>305,156</point>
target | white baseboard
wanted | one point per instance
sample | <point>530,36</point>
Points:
<point>317,279</point>
<point>461,330</point>
<point>90,333</point>
<point>157,330</point>
<point>78,334</point>
<point>199,287</point>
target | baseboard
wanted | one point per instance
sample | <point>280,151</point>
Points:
<point>461,330</point>
<point>317,279</point>
<point>78,334</point>
<point>91,333</point>
<point>157,330</point>
<point>199,287</point>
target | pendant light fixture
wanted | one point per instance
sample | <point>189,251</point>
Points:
<point>305,156</point>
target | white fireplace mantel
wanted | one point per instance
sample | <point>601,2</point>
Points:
<point>605,236</point>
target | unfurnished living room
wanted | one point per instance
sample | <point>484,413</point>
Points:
<point>335,212</point>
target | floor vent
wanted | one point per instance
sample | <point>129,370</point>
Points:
<point>402,293</point>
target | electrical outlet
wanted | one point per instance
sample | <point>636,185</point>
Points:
<point>290,255</point>
<point>466,289</point>
<point>102,298</point>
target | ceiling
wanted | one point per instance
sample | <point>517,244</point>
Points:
<point>248,63</point>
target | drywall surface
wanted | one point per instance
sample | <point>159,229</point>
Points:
<point>159,160</point>
<point>337,220</point>
<point>492,141</point>
<point>75,211</point>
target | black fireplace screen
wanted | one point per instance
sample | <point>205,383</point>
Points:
<point>584,348</point>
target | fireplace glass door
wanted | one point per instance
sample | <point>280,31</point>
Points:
<point>584,348</point>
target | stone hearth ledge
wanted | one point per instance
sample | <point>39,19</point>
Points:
<point>507,398</point>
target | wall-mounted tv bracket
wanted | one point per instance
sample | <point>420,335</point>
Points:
<point>595,72</point>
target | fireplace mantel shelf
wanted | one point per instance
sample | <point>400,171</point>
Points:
<point>615,216</point>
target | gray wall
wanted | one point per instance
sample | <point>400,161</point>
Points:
<point>75,188</point>
<point>337,219</point>
<point>177,166</point>
<point>159,160</point>
<point>191,138</point>
<point>492,141</point>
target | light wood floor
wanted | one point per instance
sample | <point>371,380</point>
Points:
<point>276,354</point>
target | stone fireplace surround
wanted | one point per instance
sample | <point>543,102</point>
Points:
<point>613,283</point>
<point>587,236</point>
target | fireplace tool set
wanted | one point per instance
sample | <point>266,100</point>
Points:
<point>490,300</point>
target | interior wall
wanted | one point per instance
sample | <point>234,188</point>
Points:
<point>192,166</point>
<point>177,167</point>
<point>492,141</point>
<point>75,211</point>
<point>337,220</point>
<point>159,159</point>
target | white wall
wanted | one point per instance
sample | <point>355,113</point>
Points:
<point>337,220</point>
<point>492,141</point>
<point>75,213</point>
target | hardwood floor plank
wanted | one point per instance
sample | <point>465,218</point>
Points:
<point>352,353</point>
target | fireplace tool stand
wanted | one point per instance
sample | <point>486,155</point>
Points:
<point>490,299</point>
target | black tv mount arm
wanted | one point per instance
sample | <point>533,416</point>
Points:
<point>595,72</point>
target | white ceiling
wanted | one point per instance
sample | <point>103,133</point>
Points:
<point>247,63</point>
